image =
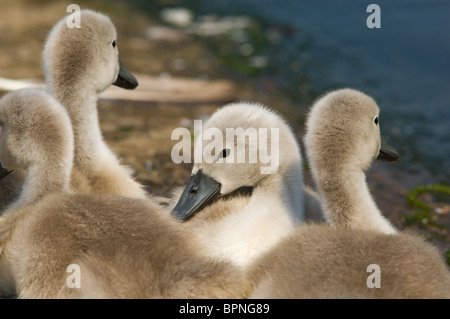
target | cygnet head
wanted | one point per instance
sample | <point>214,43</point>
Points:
<point>35,130</point>
<point>84,58</point>
<point>241,145</point>
<point>343,129</point>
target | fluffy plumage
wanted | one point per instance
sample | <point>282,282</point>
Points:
<point>240,228</point>
<point>36,136</point>
<point>342,139</point>
<point>322,261</point>
<point>80,63</point>
<point>319,261</point>
<point>124,247</point>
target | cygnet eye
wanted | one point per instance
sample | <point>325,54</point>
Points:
<point>114,43</point>
<point>225,152</point>
<point>375,120</point>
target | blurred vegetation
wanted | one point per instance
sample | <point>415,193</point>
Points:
<point>425,215</point>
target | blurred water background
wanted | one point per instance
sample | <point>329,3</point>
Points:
<point>303,48</point>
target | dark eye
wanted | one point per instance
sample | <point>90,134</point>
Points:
<point>225,152</point>
<point>375,120</point>
<point>114,43</point>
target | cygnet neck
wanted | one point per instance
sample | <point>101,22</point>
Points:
<point>272,213</point>
<point>348,201</point>
<point>285,187</point>
<point>81,104</point>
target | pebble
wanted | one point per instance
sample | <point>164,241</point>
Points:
<point>165,34</point>
<point>180,17</point>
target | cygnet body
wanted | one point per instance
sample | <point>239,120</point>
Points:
<point>121,247</point>
<point>318,261</point>
<point>79,64</point>
<point>340,260</point>
<point>240,228</point>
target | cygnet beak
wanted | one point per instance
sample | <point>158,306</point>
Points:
<point>125,79</point>
<point>387,153</point>
<point>200,191</point>
<point>3,171</point>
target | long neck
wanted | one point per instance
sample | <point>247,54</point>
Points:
<point>81,104</point>
<point>286,186</point>
<point>348,202</point>
<point>93,159</point>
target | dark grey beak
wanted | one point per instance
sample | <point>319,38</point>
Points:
<point>387,153</point>
<point>200,191</point>
<point>3,171</point>
<point>125,79</point>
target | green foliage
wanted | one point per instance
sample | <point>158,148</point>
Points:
<point>424,214</point>
<point>125,128</point>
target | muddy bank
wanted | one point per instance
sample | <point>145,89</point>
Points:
<point>140,132</point>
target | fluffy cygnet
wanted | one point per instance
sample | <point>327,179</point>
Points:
<point>79,64</point>
<point>342,139</point>
<point>360,255</point>
<point>271,203</point>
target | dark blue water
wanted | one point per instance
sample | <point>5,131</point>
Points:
<point>404,65</point>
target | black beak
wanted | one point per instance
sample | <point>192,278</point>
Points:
<point>125,79</point>
<point>200,191</point>
<point>387,153</point>
<point>3,171</point>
